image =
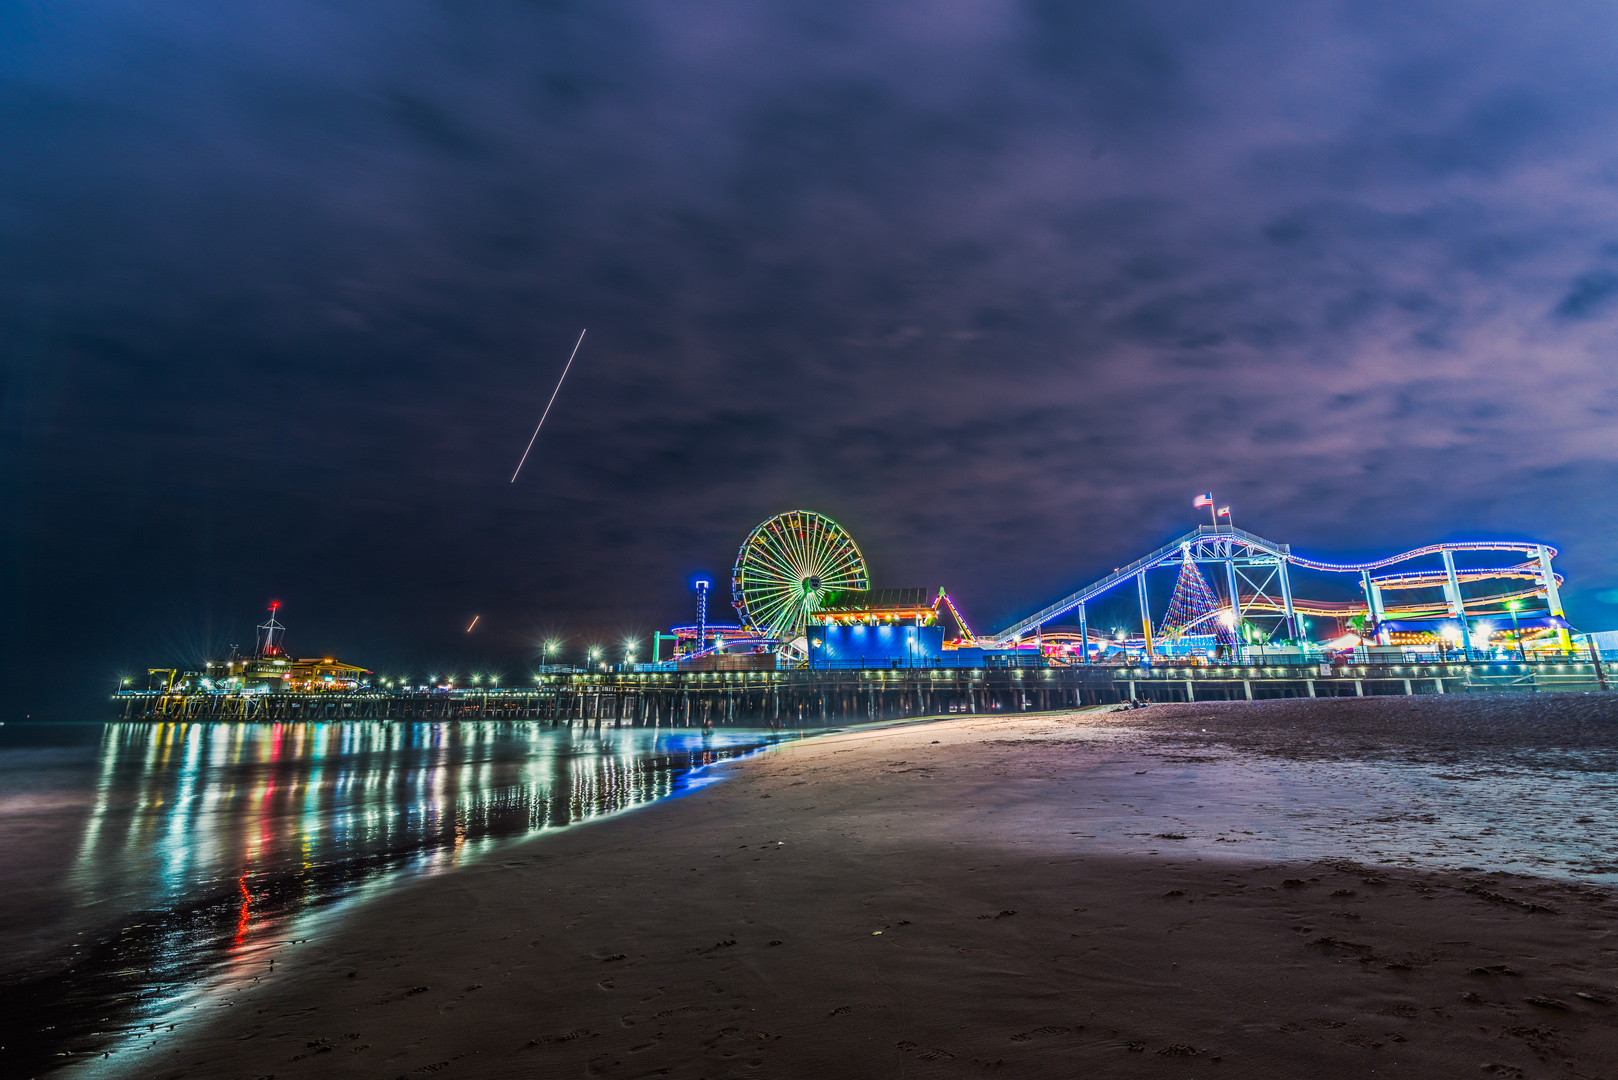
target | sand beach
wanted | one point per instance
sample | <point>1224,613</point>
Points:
<point>1397,887</point>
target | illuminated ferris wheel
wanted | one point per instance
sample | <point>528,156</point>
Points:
<point>785,569</point>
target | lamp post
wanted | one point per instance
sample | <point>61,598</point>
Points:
<point>1516,629</point>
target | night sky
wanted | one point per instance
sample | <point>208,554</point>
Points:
<point>998,286</point>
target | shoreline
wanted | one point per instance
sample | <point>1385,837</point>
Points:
<point>74,998</point>
<point>1017,893</point>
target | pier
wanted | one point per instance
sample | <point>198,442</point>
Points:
<point>814,697</point>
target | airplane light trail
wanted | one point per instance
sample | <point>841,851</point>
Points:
<point>548,405</point>
<point>474,622</point>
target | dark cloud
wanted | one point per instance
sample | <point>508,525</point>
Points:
<point>1590,293</point>
<point>283,290</point>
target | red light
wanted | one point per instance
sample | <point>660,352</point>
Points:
<point>275,604</point>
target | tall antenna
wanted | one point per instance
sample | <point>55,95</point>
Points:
<point>269,634</point>
<point>702,614</point>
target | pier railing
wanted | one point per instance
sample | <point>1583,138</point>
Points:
<point>791,698</point>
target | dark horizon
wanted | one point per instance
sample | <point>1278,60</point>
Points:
<point>999,289</point>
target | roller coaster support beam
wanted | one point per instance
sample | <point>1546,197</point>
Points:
<point>1084,635</point>
<point>1145,611</point>
<point>1373,605</point>
<point>1235,596</point>
<point>1553,597</point>
<point>1457,607</point>
<point>1286,600</point>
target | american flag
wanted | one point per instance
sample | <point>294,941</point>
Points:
<point>1203,500</point>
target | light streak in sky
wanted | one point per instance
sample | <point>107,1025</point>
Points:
<point>475,618</point>
<point>548,405</point>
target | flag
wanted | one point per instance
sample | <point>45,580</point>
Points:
<point>1224,511</point>
<point>1203,500</point>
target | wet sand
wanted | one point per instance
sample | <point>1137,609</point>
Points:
<point>1260,890</point>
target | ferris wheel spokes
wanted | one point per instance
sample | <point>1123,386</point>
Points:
<point>786,568</point>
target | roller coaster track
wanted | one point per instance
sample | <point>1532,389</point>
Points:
<point>1432,579</point>
<point>1416,553</point>
<point>1339,609</point>
<point>1255,545</point>
<point>1123,573</point>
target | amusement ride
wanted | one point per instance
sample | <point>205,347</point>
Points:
<point>801,591</point>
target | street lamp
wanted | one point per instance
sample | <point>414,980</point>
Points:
<point>1516,628</point>
<point>1227,619</point>
<point>549,647</point>
<point>1452,635</point>
<point>629,650</point>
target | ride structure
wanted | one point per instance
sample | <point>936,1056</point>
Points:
<point>802,593</point>
<point>789,567</point>
<point>1258,601</point>
<point>881,653</point>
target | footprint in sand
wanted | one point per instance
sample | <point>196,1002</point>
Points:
<point>934,1054</point>
<point>566,1036</point>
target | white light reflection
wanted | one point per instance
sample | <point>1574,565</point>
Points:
<point>267,826</point>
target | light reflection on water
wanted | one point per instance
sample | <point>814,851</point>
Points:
<point>173,852</point>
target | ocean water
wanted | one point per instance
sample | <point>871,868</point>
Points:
<point>141,860</point>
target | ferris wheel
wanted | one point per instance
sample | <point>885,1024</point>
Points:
<point>785,568</point>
